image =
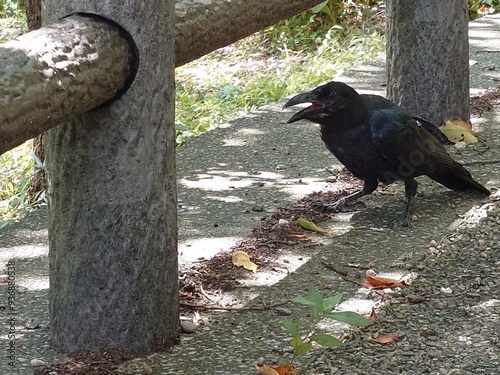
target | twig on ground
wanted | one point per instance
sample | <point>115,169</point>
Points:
<point>206,295</point>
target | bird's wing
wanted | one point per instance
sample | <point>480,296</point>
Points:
<point>411,149</point>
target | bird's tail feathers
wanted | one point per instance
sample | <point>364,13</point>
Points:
<point>460,179</point>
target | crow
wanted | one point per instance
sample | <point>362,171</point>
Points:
<point>379,142</point>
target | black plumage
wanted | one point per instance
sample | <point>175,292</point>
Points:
<point>378,141</point>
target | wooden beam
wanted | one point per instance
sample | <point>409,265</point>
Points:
<point>60,71</point>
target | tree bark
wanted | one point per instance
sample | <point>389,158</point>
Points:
<point>202,26</point>
<point>112,199</point>
<point>82,63</point>
<point>428,58</point>
<point>34,14</point>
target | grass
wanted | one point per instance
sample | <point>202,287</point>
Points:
<point>285,58</point>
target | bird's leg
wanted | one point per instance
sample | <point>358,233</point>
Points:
<point>410,192</point>
<point>341,204</point>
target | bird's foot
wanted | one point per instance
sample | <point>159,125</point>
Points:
<point>405,220</point>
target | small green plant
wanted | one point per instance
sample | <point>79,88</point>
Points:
<point>319,308</point>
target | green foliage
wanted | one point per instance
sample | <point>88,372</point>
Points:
<point>16,170</point>
<point>12,19</point>
<point>319,308</point>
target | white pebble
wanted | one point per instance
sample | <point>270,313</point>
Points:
<point>371,273</point>
<point>37,362</point>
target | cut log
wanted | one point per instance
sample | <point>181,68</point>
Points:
<point>60,71</point>
<point>202,26</point>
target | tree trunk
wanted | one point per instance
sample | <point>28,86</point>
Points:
<point>38,184</point>
<point>202,26</point>
<point>34,14</point>
<point>82,63</point>
<point>428,58</point>
<point>112,205</point>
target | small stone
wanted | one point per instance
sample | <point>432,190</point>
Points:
<point>4,279</point>
<point>413,298</point>
<point>32,324</point>
<point>428,332</point>
<point>283,311</point>
<point>282,222</point>
<point>433,243</point>
<point>37,362</point>
<point>188,327</point>
<point>258,208</point>
<point>21,359</point>
<point>370,273</point>
<point>21,289</point>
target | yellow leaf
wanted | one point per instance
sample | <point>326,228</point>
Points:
<point>241,259</point>
<point>457,131</point>
<point>309,225</point>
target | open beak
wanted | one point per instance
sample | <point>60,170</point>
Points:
<point>306,97</point>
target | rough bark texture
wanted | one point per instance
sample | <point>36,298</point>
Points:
<point>34,14</point>
<point>204,25</point>
<point>428,58</point>
<point>82,62</point>
<point>112,222</point>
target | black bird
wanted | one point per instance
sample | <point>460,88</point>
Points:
<point>378,141</point>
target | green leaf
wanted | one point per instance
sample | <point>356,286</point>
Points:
<point>300,347</point>
<point>349,317</point>
<point>313,299</point>
<point>330,302</point>
<point>291,327</point>
<point>318,8</point>
<point>303,301</point>
<point>314,296</point>
<point>326,340</point>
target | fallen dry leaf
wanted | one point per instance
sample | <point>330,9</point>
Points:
<point>309,225</point>
<point>373,316</point>
<point>457,131</point>
<point>277,370</point>
<point>241,259</point>
<point>146,369</point>
<point>386,339</point>
<point>372,282</point>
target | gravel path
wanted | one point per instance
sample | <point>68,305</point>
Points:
<point>451,255</point>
